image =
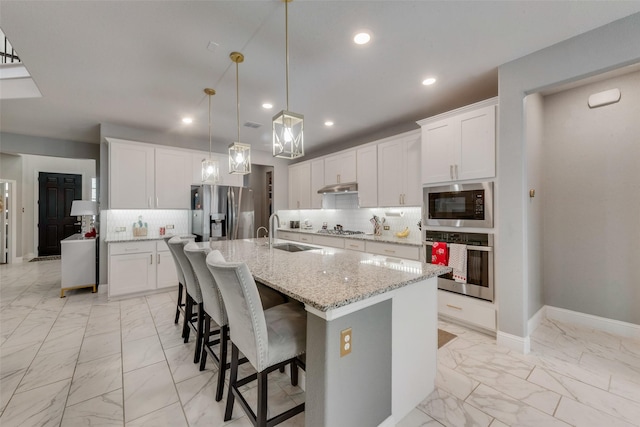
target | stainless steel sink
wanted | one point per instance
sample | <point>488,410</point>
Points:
<point>293,247</point>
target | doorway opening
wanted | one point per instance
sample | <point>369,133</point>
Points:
<point>261,182</point>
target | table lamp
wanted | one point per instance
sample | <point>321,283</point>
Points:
<point>84,208</point>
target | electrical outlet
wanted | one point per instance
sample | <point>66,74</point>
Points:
<point>345,342</point>
<point>169,227</point>
<point>386,227</point>
<point>119,229</point>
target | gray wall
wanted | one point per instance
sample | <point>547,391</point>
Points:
<point>592,201</point>
<point>22,144</point>
<point>603,49</point>
<point>534,126</point>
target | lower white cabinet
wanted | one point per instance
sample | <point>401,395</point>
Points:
<point>394,250</point>
<point>285,235</point>
<point>332,242</point>
<point>139,267</point>
<point>354,245</point>
<point>469,310</point>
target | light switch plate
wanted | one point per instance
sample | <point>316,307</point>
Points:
<point>169,227</point>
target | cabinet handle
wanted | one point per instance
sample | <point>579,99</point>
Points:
<point>353,246</point>
<point>400,198</point>
<point>451,171</point>
<point>338,177</point>
<point>455,307</point>
<point>158,259</point>
<point>131,249</point>
<point>149,202</point>
<point>298,204</point>
<point>151,259</point>
<point>157,202</point>
<point>389,251</point>
<point>455,168</point>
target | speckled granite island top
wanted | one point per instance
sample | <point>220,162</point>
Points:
<point>325,278</point>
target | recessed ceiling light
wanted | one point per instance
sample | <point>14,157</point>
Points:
<point>267,106</point>
<point>429,81</point>
<point>362,38</point>
<point>187,120</point>
<point>328,123</point>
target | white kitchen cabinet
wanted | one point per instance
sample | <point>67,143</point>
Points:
<point>367,176</point>
<point>317,182</point>
<point>166,274</point>
<point>285,235</point>
<point>399,172</point>
<point>140,267</point>
<point>393,250</point>
<point>330,241</point>
<point>226,178</point>
<point>469,310</point>
<point>340,168</point>
<point>131,175</point>
<point>459,145</point>
<point>354,245</point>
<point>300,186</point>
<point>131,268</point>
<point>143,176</point>
<point>172,179</point>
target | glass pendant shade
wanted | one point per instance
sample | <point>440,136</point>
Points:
<point>210,171</point>
<point>239,158</point>
<point>288,135</point>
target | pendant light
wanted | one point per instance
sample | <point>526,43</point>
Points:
<point>288,127</point>
<point>239,154</point>
<point>210,167</point>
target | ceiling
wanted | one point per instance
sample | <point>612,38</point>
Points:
<point>145,64</point>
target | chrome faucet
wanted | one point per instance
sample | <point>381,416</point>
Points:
<point>272,229</point>
<point>258,232</point>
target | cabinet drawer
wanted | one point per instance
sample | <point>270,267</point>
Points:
<point>305,238</point>
<point>467,309</point>
<point>332,242</point>
<point>131,247</point>
<point>389,249</point>
<point>354,245</point>
<point>285,235</point>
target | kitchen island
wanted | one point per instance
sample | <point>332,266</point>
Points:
<point>389,304</point>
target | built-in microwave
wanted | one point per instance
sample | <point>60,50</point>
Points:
<point>459,205</point>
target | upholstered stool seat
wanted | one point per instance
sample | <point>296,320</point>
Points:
<point>270,339</point>
<point>179,305</point>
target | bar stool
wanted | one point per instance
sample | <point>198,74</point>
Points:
<point>270,338</point>
<point>213,309</point>
<point>194,297</point>
<point>180,305</point>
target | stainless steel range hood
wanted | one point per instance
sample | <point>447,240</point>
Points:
<point>347,187</point>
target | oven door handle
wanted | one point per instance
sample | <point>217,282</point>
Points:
<point>469,247</point>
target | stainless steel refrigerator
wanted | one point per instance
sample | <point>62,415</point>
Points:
<point>220,212</point>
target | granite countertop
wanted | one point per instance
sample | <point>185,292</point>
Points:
<point>412,240</point>
<point>325,278</point>
<point>130,238</point>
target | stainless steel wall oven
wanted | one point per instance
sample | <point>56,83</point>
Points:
<point>479,263</point>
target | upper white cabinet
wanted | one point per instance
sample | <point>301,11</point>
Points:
<point>226,178</point>
<point>340,168</point>
<point>317,182</point>
<point>399,172</point>
<point>367,176</point>
<point>460,145</point>
<point>144,177</point>
<point>300,186</point>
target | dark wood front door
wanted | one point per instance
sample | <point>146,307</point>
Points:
<point>56,193</point>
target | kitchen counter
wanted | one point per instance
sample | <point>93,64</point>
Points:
<point>390,238</point>
<point>390,306</point>
<point>130,238</point>
<point>326,278</point>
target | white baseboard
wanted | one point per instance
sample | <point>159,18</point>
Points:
<point>17,260</point>
<point>513,342</point>
<point>536,320</point>
<point>617,327</point>
<point>389,422</point>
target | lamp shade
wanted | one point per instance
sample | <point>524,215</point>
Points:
<point>83,207</point>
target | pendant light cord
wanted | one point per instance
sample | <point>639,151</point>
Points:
<point>209,127</point>
<point>238,101</point>
<point>286,45</point>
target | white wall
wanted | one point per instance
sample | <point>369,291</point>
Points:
<point>31,166</point>
<point>11,169</point>
<point>534,126</point>
<point>591,53</point>
<point>592,201</point>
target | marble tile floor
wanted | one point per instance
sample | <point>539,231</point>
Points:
<point>85,361</point>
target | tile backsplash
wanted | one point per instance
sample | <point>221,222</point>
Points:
<point>115,220</point>
<point>396,218</point>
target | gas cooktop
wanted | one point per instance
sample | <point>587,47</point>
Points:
<point>340,232</point>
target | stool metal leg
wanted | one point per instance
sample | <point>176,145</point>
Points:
<point>228,413</point>
<point>199,333</point>
<point>179,303</point>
